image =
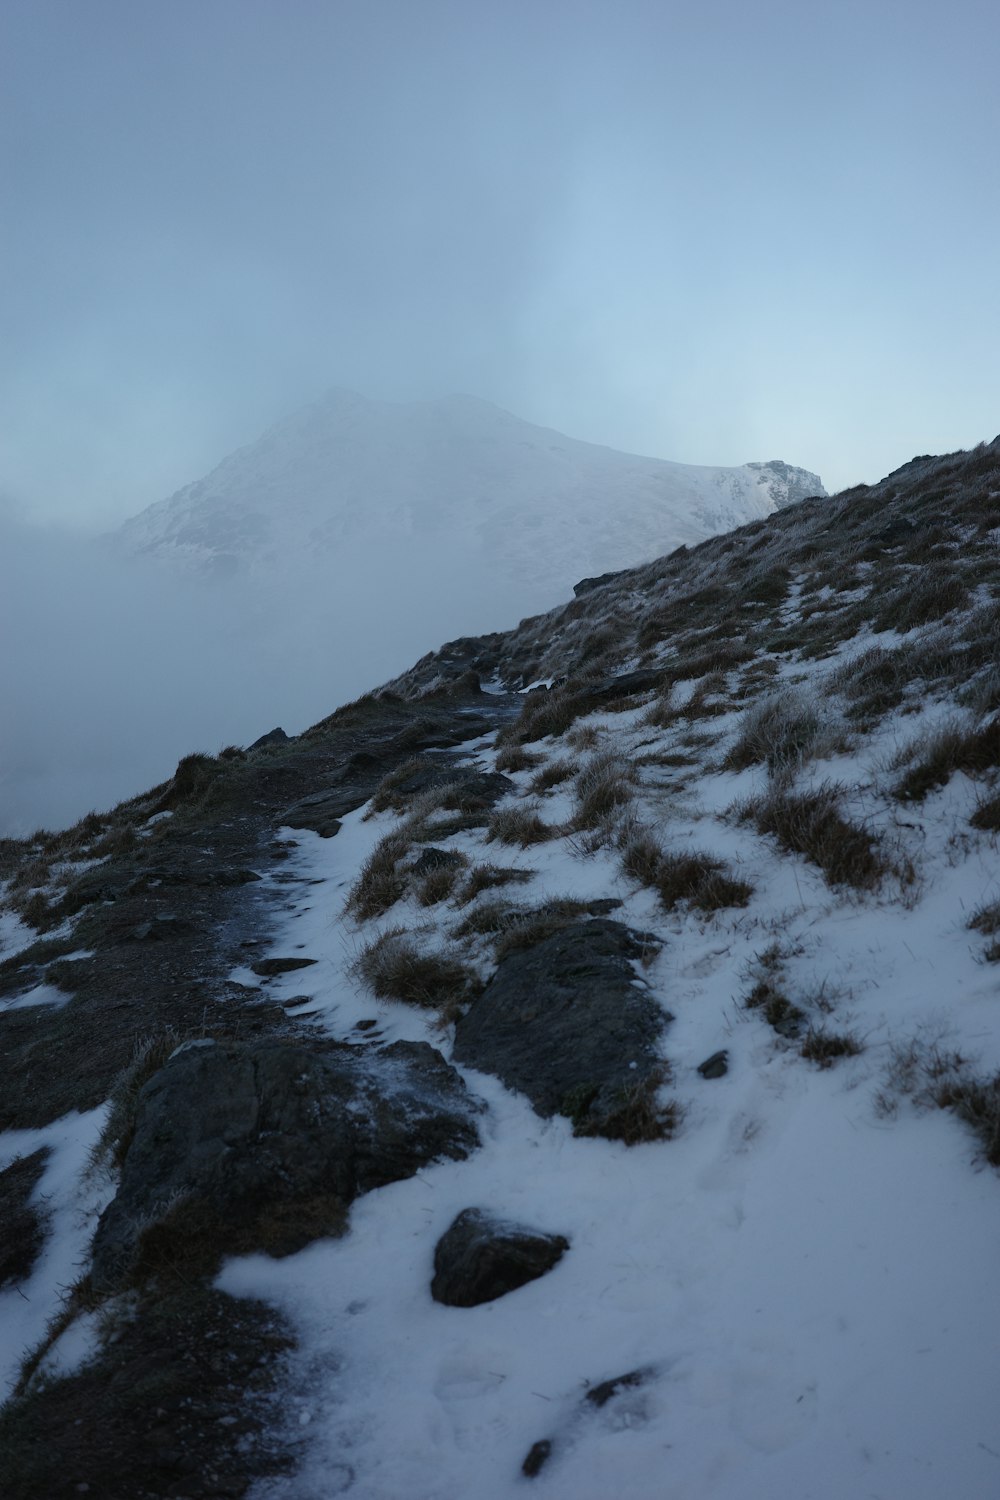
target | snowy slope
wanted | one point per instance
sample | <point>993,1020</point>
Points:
<point>453,482</point>
<point>799,1277</point>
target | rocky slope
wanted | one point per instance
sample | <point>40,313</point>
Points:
<point>594,1087</point>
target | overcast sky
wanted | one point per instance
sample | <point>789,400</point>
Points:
<point>711,231</point>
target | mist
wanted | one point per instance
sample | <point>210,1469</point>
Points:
<point>114,668</point>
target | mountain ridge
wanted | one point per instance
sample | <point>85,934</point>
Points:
<point>350,472</point>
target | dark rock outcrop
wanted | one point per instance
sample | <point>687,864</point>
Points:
<point>480,1258</point>
<point>273,737</point>
<point>23,1231</point>
<point>569,1023</point>
<point>264,1147</point>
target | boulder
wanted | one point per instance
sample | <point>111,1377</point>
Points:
<point>264,1146</point>
<point>569,1023</point>
<point>482,1257</point>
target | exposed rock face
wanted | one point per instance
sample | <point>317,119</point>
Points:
<point>264,1147</point>
<point>480,1258</point>
<point>568,1023</point>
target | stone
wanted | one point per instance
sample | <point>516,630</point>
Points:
<point>482,1257</point>
<point>537,1457</point>
<point>273,737</point>
<point>267,968</point>
<point>569,1023</point>
<point>264,1147</point>
<point>716,1066</point>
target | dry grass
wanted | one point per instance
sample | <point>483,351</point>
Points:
<point>987,815</point>
<point>603,786</point>
<point>825,1047</point>
<point>956,747</point>
<point>393,967</point>
<point>638,1115</point>
<point>553,774</point>
<point>810,824</point>
<point>701,881</point>
<point>781,1014</point>
<point>437,885</point>
<point>488,877</point>
<point>516,758</point>
<point>519,826</point>
<point>380,883</point>
<point>782,733</point>
<point>527,928</point>
<point>642,854</point>
<point>924,1071</point>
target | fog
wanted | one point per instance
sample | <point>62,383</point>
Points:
<point>114,668</point>
<point>709,233</point>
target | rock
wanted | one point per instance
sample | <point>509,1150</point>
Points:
<point>264,1147</point>
<point>480,1258</point>
<point>436,859</point>
<point>625,685</point>
<point>586,585</point>
<point>23,1225</point>
<point>273,737</point>
<point>537,1457</point>
<point>164,925</point>
<point>322,812</point>
<point>268,967</point>
<point>568,1023</point>
<point>467,790</point>
<point>716,1066</point>
<point>599,1395</point>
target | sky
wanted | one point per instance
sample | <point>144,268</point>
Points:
<point>709,232</point>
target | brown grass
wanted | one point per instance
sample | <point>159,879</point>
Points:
<point>603,786</point>
<point>394,968</point>
<point>519,826</point>
<point>380,883</point>
<point>700,880</point>
<point>953,748</point>
<point>811,824</point>
<point>488,877</point>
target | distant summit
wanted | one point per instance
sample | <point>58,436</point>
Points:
<point>452,482</point>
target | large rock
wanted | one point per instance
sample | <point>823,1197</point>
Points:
<point>480,1258</point>
<point>263,1147</point>
<point>570,1024</point>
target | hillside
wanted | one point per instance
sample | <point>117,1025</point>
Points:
<point>573,1068</point>
<point>450,485</point>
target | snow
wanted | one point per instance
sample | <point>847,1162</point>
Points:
<point>71,1195</point>
<point>809,1284</point>
<point>458,487</point>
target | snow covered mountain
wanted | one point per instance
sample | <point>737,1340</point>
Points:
<point>450,482</point>
<point>588,1091</point>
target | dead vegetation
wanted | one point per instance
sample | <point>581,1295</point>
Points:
<point>955,747</point>
<point>520,827</point>
<point>932,1075</point>
<point>811,824</point>
<point>395,967</point>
